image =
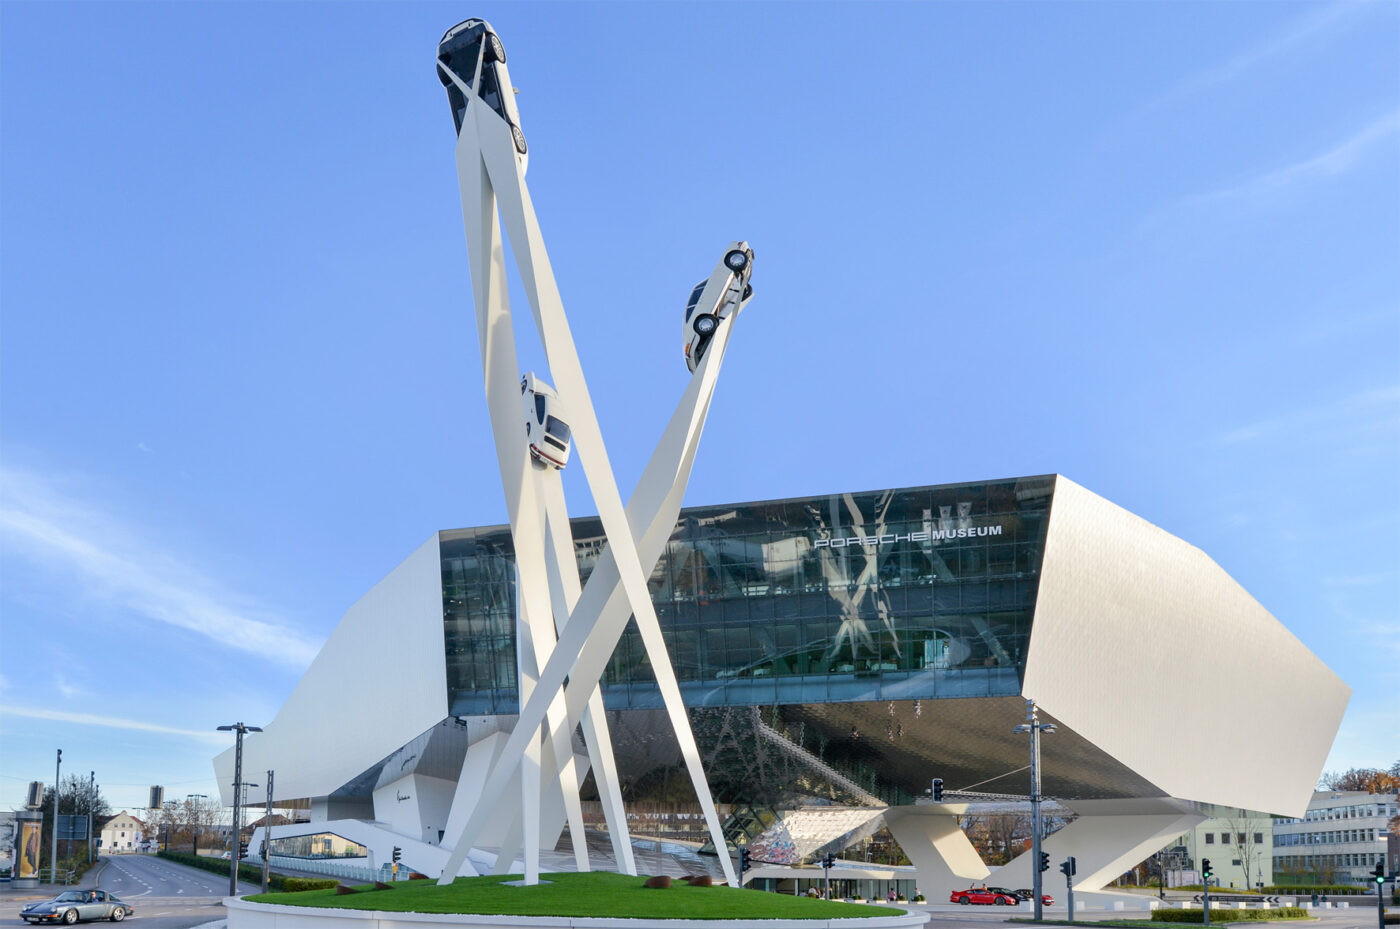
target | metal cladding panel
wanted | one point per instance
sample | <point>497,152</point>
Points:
<point>378,682</point>
<point>1131,620</point>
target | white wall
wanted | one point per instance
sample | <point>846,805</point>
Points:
<point>1127,615</point>
<point>379,681</point>
<point>415,805</point>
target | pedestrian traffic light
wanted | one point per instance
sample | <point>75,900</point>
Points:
<point>1206,872</point>
<point>938,790</point>
<point>1378,875</point>
<point>1045,861</point>
<point>743,859</point>
<point>398,853</point>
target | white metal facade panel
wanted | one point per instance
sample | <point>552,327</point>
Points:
<point>1130,619</point>
<point>379,681</point>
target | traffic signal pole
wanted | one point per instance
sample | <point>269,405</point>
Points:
<point>1378,876</point>
<point>1205,891</point>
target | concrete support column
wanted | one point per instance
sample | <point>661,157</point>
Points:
<point>935,843</point>
<point>1108,838</point>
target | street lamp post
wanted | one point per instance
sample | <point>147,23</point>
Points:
<point>240,729</point>
<point>1035,727</point>
<point>53,848</point>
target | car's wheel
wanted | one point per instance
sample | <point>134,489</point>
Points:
<point>495,51</point>
<point>118,915</point>
<point>748,292</point>
<point>704,324</point>
<point>963,901</point>
<point>1000,901</point>
<point>519,138</point>
<point>70,917</point>
<point>736,260</point>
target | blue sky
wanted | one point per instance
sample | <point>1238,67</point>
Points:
<point>1154,247</point>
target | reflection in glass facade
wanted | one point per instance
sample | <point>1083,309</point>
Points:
<point>320,845</point>
<point>923,592</point>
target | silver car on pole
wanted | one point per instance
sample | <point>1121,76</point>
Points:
<point>726,289</point>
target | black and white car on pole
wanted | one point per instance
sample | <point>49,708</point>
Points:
<point>726,290</point>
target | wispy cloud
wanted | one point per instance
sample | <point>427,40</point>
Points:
<point>46,525</point>
<point>1337,159</point>
<point>1314,23</point>
<point>1372,409</point>
<point>110,722</point>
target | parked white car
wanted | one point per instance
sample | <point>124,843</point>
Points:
<point>725,290</point>
<point>459,51</point>
<point>546,433</point>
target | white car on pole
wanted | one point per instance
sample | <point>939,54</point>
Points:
<point>473,46</point>
<point>725,290</point>
<point>547,434</point>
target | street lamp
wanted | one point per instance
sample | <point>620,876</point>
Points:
<point>240,729</point>
<point>1035,727</point>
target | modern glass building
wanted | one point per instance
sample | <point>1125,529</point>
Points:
<point>835,653</point>
<point>923,592</point>
<point>887,596</point>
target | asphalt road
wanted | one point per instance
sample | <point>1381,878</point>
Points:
<point>166,895</point>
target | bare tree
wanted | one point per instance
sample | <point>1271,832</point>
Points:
<point>1247,844</point>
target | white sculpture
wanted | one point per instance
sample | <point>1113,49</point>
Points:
<point>564,630</point>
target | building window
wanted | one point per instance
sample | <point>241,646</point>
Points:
<point>1239,838</point>
<point>1258,838</point>
<point>1210,838</point>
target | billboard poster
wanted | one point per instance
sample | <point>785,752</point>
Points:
<point>27,852</point>
<point>8,836</point>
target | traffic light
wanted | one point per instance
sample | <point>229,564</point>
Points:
<point>1067,867</point>
<point>938,790</point>
<point>398,853</point>
<point>743,859</point>
<point>1378,875</point>
<point>1045,861</point>
<point>262,849</point>
<point>829,861</point>
<point>1206,872</point>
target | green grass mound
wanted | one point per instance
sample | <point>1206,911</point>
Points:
<point>599,893</point>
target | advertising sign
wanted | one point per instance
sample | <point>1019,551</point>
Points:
<point>27,852</point>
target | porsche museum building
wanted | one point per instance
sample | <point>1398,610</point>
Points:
<point>836,653</point>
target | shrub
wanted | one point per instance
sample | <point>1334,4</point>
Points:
<point>295,885</point>
<point>919,898</point>
<point>1228,916</point>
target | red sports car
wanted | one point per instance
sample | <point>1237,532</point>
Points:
<point>994,895</point>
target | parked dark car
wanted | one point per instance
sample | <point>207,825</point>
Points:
<point>73,905</point>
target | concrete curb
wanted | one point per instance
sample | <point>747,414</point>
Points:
<point>243,915</point>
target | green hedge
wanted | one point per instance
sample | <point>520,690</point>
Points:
<point>1228,916</point>
<point>246,872</point>
<point>294,885</point>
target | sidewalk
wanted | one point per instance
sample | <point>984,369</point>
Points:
<point>46,891</point>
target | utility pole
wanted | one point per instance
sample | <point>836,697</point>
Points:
<point>1035,727</point>
<point>53,848</point>
<point>240,729</point>
<point>267,833</point>
<point>92,810</point>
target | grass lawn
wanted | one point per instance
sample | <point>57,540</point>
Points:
<point>600,893</point>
